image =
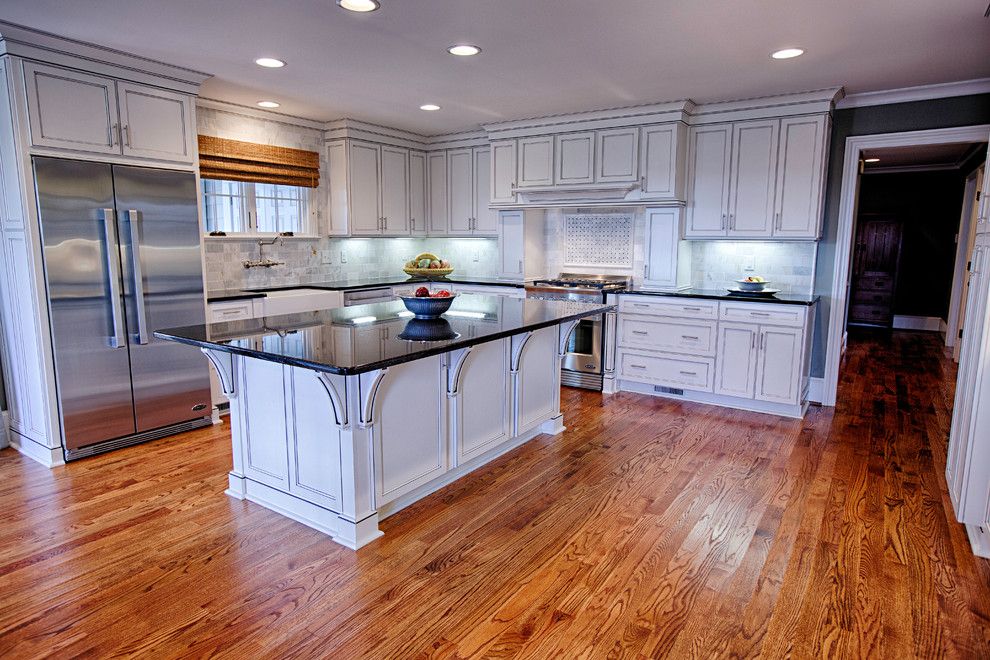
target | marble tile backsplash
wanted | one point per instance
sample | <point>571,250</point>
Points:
<point>790,266</point>
<point>338,259</point>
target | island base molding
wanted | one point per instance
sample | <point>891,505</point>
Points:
<point>339,453</point>
<point>797,411</point>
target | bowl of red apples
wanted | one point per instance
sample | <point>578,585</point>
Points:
<point>426,305</point>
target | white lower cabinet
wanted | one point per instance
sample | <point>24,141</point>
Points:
<point>741,354</point>
<point>479,389</point>
<point>266,458</point>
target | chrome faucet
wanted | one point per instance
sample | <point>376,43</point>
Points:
<point>261,261</point>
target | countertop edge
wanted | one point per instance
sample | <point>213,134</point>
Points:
<point>815,299</point>
<point>246,294</point>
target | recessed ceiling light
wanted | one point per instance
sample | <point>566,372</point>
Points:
<point>786,53</point>
<point>871,160</point>
<point>429,106</point>
<point>269,104</point>
<point>363,6</point>
<point>269,62</point>
<point>463,50</point>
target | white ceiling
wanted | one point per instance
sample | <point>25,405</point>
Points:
<point>540,56</point>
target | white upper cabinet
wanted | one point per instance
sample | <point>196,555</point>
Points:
<point>436,168</point>
<point>709,148</point>
<point>503,171</point>
<point>460,190</point>
<point>395,190</point>
<point>485,219</point>
<point>753,175</point>
<point>662,159</point>
<point>618,156</point>
<point>800,176</point>
<point>155,123</point>
<point>364,165</point>
<point>535,162</point>
<point>417,192</point>
<point>71,110</point>
<point>664,265</point>
<point>77,111</point>
<point>575,158</point>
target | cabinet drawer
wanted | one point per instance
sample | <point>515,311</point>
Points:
<point>673,335</point>
<point>231,311</point>
<point>688,373</point>
<point>764,313</point>
<point>875,283</point>
<point>691,308</point>
<point>863,313</point>
<point>872,297</point>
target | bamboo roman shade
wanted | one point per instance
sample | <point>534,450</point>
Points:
<point>233,160</point>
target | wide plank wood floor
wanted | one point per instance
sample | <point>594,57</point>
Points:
<point>649,529</point>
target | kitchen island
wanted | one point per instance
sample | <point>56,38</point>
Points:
<point>341,417</point>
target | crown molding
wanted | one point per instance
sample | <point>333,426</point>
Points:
<point>816,101</point>
<point>919,93</point>
<point>340,129</point>
<point>49,48</point>
<point>259,113</point>
<point>590,120</point>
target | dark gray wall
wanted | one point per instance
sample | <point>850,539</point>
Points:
<point>871,120</point>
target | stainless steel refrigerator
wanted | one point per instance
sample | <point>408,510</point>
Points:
<point>122,259</point>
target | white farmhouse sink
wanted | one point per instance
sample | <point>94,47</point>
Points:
<point>300,299</point>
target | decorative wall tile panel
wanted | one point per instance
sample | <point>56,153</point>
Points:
<point>601,239</point>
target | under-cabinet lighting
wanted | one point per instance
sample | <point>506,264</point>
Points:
<point>466,315</point>
<point>429,107</point>
<point>269,62</point>
<point>362,6</point>
<point>871,160</point>
<point>364,319</point>
<point>786,53</point>
<point>405,314</point>
<point>269,104</point>
<point>463,50</point>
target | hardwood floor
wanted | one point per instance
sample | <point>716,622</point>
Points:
<point>649,529</point>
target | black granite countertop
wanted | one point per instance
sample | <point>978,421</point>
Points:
<point>723,294</point>
<point>350,285</point>
<point>353,340</point>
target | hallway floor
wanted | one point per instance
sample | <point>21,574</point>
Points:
<point>651,528</point>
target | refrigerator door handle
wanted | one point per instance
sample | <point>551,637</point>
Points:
<point>113,275</point>
<point>133,225</point>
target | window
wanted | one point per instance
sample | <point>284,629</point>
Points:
<point>234,207</point>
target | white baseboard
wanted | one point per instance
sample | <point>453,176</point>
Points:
<point>979,540</point>
<point>5,430</point>
<point>926,323</point>
<point>45,455</point>
<point>816,389</point>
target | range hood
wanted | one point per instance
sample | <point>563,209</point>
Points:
<point>610,194</point>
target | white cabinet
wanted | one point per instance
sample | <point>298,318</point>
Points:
<point>78,111</point>
<point>468,192</point>
<point>666,258</point>
<point>778,372</point>
<point>757,179</point>
<point>752,176</point>
<point>574,158</point>
<point>364,171</point>
<point>436,168</point>
<point>395,190</point>
<point>418,193</point>
<point>369,189</point>
<point>155,123</point>
<point>617,155</point>
<point>736,370</point>
<point>800,177</point>
<point>709,149</point>
<point>520,245</point>
<point>536,161</point>
<point>481,402</point>
<point>663,151</point>
<point>503,171</point>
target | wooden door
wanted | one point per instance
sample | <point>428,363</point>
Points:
<point>878,251</point>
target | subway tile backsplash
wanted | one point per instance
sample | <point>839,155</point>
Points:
<point>790,266</point>
<point>336,259</point>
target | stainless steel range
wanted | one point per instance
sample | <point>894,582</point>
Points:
<point>582,366</point>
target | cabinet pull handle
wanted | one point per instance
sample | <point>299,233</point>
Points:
<point>691,309</point>
<point>127,135</point>
<point>640,332</point>
<point>759,313</point>
<point>520,266</point>
<point>412,224</point>
<point>723,221</point>
<point>763,341</point>
<point>113,134</point>
<point>732,221</point>
<point>688,373</point>
<point>752,340</point>
<point>641,305</point>
<point>646,271</point>
<point>638,366</point>
<point>776,222</point>
<point>692,337</point>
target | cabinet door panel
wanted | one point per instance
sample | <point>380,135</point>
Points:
<point>503,173</point>
<point>662,148</point>
<point>575,155</point>
<point>779,371</point>
<point>460,190</point>
<point>417,192</point>
<point>395,190</point>
<point>155,123</point>
<point>437,175</point>
<point>482,403</point>
<point>708,180</point>
<point>535,162</point>
<point>618,155</point>
<point>799,177</point>
<point>736,359</point>
<point>511,244</point>
<point>314,447</point>
<point>264,419</point>
<point>71,110</point>
<point>485,219</point>
<point>753,174</point>
<point>365,183</point>
<point>663,238</point>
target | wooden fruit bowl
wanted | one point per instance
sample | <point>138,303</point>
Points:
<point>429,273</point>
